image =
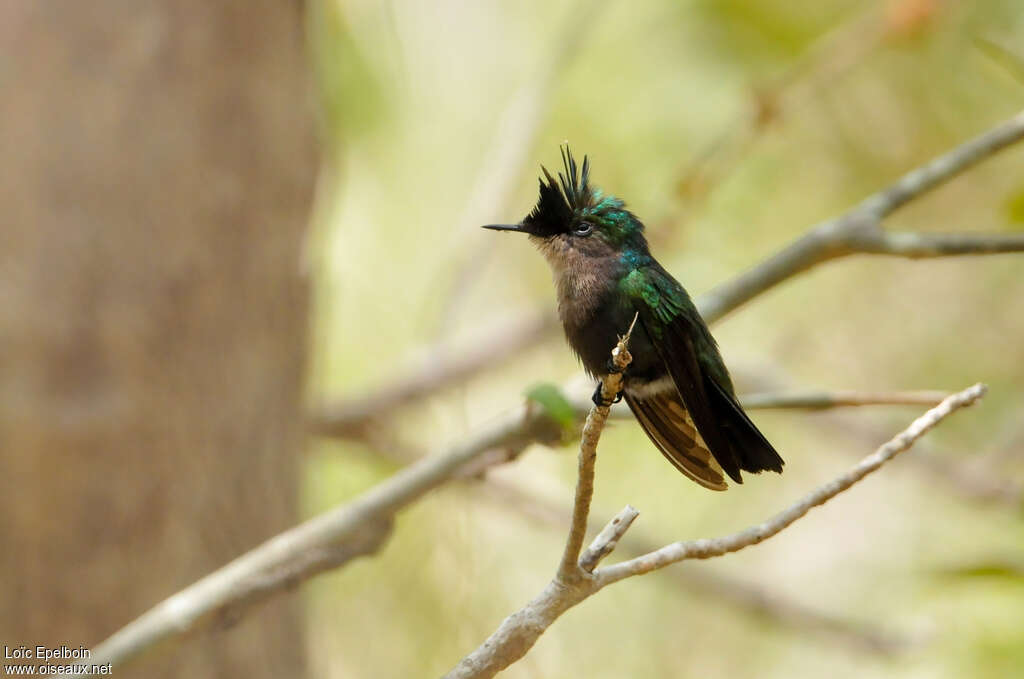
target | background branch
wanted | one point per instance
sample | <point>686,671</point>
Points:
<point>326,541</point>
<point>807,400</point>
<point>857,231</point>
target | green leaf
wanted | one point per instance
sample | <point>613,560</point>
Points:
<point>554,404</point>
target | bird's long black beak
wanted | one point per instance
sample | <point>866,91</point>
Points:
<point>505,227</point>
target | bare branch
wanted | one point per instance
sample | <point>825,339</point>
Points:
<point>605,542</point>
<point>796,400</point>
<point>326,541</point>
<point>722,589</point>
<point>923,245</point>
<point>984,486</point>
<point>840,399</point>
<point>279,564</point>
<point>518,633</point>
<point>704,549</point>
<point>611,386</point>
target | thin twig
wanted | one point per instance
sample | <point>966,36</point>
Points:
<point>704,549</point>
<point>840,399</point>
<point>606,541</point>
<point>799,400</point>
<point>980,486</point>
<point>520,631</point>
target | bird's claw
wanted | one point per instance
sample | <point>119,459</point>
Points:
<point>611,367</point>
<point>599,399</point>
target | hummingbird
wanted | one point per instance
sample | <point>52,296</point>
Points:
<point>677,384</point>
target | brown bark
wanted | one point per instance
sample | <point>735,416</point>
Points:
<point>156,175</point>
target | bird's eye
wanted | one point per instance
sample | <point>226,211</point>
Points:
<point>584,229</point>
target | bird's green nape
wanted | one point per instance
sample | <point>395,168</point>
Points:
<point>613,221</point>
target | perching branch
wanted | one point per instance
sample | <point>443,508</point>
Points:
<point>518,633</point>
<point>857,231</point>
<point>713,585</point>
<point>611,385</point>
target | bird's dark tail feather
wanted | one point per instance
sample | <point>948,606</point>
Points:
<point>751,448</point>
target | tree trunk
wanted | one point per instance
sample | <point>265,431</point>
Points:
<point>158,163</point>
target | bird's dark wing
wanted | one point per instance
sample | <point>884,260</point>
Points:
<point>668,424</point>
<point>687,350</point>
<point>752,449</point>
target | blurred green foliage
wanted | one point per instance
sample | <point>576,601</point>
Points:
<point>730,128</point>
<point>554,404</point>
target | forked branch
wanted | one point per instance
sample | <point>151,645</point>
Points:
<point>518,633</point>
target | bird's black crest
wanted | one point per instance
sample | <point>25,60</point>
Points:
<point>561,201</point>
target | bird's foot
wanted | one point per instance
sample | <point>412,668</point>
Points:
<point>611,368</point>
<point>599,399</point>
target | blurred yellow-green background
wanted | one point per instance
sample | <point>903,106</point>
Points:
<point>664,97</point>
<point>226,218</point>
